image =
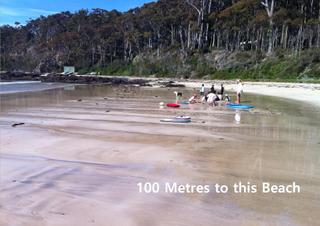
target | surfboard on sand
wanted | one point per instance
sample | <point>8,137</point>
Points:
<point>173,105</point>
<point>239,106</point>
<point>179,119</point>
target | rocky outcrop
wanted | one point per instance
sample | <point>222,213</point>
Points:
<point>19,76</point>
<point>171,84</point>
<point>83,79</point>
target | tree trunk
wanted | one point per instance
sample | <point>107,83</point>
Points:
<point>282,35</point>
<point>181,38</point>
<point>172,34</point>
<point>189,36</point>
<point>92,54</point>
<point>310,38</point>
<point>299,37</point>
<point>270,37</point>
<point>227,41</point>
<point>213,43</point>
<point>200,36</point>
<point>207,27</point>
<point>270,10</point>
<point>318,37</point>
<point>285,40</point>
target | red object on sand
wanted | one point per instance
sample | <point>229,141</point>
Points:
<point>173,105</point>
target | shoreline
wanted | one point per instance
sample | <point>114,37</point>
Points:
<point>306,92</point>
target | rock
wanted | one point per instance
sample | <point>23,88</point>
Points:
<point>17,75</point>
<point>171,84</point>
<point>177,85</point>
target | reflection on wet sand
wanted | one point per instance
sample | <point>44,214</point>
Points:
<point>79,162</point>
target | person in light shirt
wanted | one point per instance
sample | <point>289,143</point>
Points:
<point>239,90</point>
<point>193,99</point>
<point>212,98</point>
<point>202,90</point>
<point>227,98</point>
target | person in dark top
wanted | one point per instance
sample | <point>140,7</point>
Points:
<point>221,90</point>
<point>212,89</point>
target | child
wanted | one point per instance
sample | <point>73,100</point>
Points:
<point>178,96</point>
<point>193,99</point>
<point>227,98</point>
<point>202,89</point>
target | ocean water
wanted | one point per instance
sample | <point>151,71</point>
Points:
<point>29,86</point>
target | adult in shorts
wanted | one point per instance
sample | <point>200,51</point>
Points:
<point>239,90</point>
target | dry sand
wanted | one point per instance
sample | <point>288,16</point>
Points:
<point>79,162</point>
<point>309,93</point>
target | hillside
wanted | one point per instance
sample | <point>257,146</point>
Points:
<point>273,39</point>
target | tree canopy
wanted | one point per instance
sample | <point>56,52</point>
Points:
<point>99,37</point>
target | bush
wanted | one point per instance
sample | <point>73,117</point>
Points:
<point>250,65</point>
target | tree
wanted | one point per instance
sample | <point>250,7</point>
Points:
<point>270,10</point>
<point>96,38</point>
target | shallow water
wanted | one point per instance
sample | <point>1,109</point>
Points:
<point>100,141</point>
<point>30,86</point>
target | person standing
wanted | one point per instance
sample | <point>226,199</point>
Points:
<point>222,90</point>
<point>202,89</point>
<point>178,96</point>
<point>239,90</point>
<point>212,90</point>
<point>220,94</point>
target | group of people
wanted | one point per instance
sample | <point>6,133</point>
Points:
<point>213,95</point>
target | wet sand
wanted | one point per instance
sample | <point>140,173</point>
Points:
<point>78,162</point>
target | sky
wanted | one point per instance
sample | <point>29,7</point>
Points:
<point>12,11</point>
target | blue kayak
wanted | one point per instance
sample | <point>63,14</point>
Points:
<point>239,106</point>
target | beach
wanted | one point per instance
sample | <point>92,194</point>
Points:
<point>80,154</point>
<point>304,92</point>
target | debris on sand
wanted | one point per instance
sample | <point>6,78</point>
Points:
<point>58,213</point>
<point>17,124</point>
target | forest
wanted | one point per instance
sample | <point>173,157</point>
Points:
<point>213,39</point>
